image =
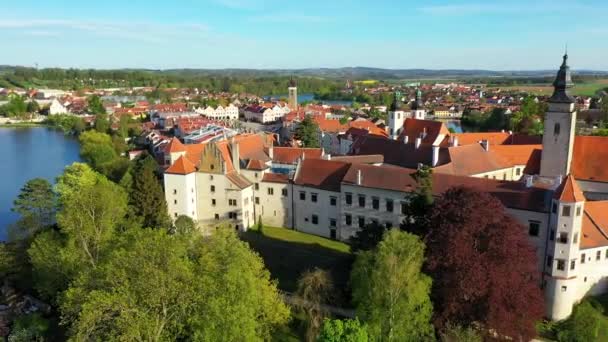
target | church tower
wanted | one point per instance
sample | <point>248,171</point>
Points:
<point>560,124</point>
<point>418,111</point>
<point>293,95</point>
<point>396,116</point>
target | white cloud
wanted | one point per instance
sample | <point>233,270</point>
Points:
<point>504,8</point>
<point>289,18</point>
<point>141,31</point>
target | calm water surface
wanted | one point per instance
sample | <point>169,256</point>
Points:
<point>28,153</point>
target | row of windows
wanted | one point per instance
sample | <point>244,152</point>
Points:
<point>561,263</point>
<point>566,210</point>
<point>314,197</point>
<point>315,220</point>
<point>348,220</point>
<point>361,201</point>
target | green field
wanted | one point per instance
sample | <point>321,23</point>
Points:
<point>580,89</point>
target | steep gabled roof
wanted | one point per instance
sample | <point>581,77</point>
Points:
<point>431,132</point>
<point>471,160</point>
<point>595,225</point>
<point>182,166</point>
<point>569,191</point>
<point>174,146</point>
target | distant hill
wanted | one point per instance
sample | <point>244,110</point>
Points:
<point>355,73</point>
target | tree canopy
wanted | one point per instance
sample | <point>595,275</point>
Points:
<point>36,206</point>
<point>472,235</point>
<point>112,281</point>
<point>336,330</point>
<point>308,132</point>
<point>146,195</point>
<point>390,291</point>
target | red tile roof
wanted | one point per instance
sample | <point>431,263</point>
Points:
<point>381,177</point>
<point>290,155</point>
<point>472,160</point>
<point>182,166</point>
<point>174,146</point>
<point>595,225</point>
<point>321,174</point>
<point>498,138</point>
<point>569,191</point>
<point>396,152</point>
<point>255,164</point>
<point>430,131</point>
<point>589,158</point>
<point>515,154</point>
<point>275,178</point>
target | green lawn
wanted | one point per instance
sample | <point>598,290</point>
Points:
<point>288,253</point>
<point>291,235</point>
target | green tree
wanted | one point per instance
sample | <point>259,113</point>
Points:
<point>368,237</point>
<point>184,225</point>
<point>335,330</point>
<point>36,206</point>
<point>237,299</point>
<point>16,107</point>
<point>123,126</point>
<point>456,333</point>
<point>95,105</point>
<point>314,291</point>
<point>308,132</point>
<point>97,148</point>
<point>33,107</point>
<point>29,328</point>
<point>102,123</point>
<point>587,323</point>
<point>146,196</point>
<point>416,210</point>
<point>91,210</point>
<point>143,290</point>
<point>390,292</point>
<point>90,217</point>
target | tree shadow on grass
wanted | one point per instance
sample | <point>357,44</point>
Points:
<point>287,260</point>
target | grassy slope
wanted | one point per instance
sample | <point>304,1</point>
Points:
<point>287,254</point>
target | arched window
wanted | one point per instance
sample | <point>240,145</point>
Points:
<point>556,129</point>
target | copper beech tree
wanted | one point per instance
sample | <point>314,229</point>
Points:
<point>484,269</point>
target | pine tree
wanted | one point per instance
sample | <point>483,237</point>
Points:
<point>146,196</point>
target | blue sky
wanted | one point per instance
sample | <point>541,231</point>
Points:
<point>499,35</point>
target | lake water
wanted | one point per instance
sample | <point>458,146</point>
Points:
<point>311,97</point>
<point>29,153</point>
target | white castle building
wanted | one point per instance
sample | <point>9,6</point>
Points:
<point>556,190</point>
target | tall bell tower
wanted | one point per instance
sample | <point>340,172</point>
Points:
<point>293,95</point>
<point>560,124</point>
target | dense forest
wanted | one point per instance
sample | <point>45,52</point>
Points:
<point>75,79</point>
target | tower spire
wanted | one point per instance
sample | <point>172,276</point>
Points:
<point>562,82</point>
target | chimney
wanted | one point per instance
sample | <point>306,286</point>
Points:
<point>529,181</point>
<point>359,177</point>
<point>455,142</point>
<point>234,146</point>
<point>418,142</point>
<point>271,152</point>
<point>435,155</point>
<point>485,144</point>
<point>406,139</point>
<point>303,156</point>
